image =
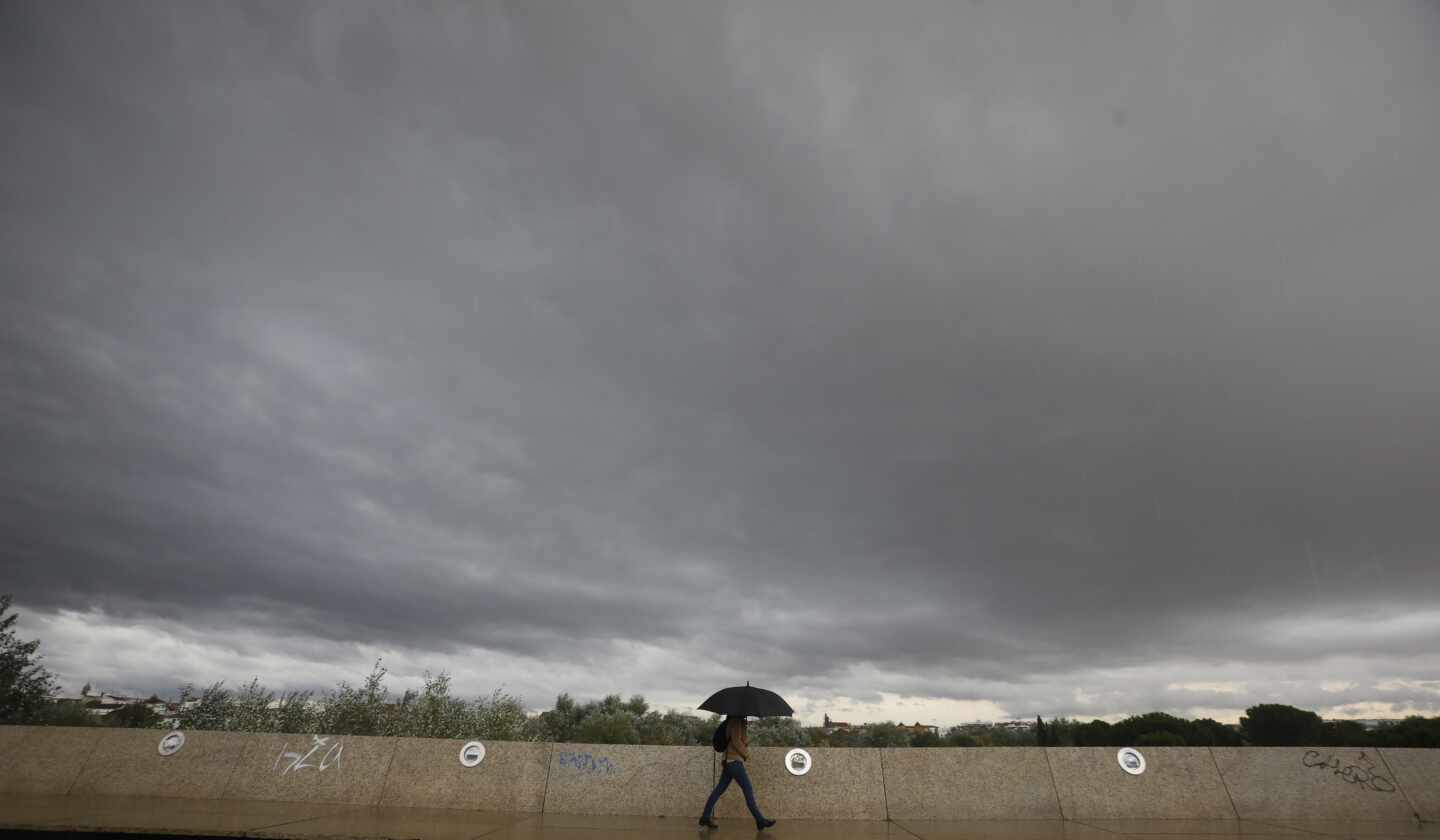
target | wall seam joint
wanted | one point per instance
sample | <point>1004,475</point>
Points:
<point>1398,786</point>
<point>545,797</point>
<point>235,768</point>
<point>1228,795</point>
<point>884,786</point>
<point>385,782</point>
<point>1054,786</point>
<point>85,765</point>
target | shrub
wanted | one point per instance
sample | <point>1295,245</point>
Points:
<point>1159,738</point>
<point>1276,725</point>
<point>133,716</point>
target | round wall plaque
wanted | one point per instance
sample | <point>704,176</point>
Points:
<point>797,761</point>
<point>472,753</point>
<point>1131,761</point>
<point>172,742</point>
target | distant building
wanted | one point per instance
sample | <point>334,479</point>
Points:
<point>831,726</point>
<point>919,727</point>
<point>980,727</point>
<point>101,703</point>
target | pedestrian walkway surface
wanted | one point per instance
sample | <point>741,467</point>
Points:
<point>320,821</point>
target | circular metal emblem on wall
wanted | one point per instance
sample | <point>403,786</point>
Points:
<point>1131,761</point>
<point>798,762</point>
<point>472,753</point>
<point>171,743</point>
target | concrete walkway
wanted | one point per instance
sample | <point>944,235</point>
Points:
<point>232,818</point>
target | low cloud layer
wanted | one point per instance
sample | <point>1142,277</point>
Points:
<point>953,361</point>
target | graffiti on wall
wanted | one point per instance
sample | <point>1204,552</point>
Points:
<point>588,763</point>
<point>1362,773</point>
<point>330,757</point>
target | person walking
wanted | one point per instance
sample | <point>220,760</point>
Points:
<point>732,768</point>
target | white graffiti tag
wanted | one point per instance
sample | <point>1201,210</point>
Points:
<point>329,758</point>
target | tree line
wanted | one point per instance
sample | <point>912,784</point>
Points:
<point>27,690</point>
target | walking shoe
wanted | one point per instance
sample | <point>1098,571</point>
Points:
<point>763,824</point>
<point>704,823</point>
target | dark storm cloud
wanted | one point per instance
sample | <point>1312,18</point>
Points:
<point>967,341</point>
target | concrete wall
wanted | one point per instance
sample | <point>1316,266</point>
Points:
<point>981,783</point>
<point>12,735</point>
<point>312,768</point>
<point>1178,783</point>
<point>842,784</point>
<point>127,762</point>
<point>860,784</point>
<point>623,779</point>
<point>1417,774</point>
<point>1295,783</point>
<point>44,759</point>
<point>427,773</point>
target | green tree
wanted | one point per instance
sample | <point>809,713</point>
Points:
<point>778,732</point>
<point>611,720</point>
<point>672,729</point>
<point>295,713</point>
<point>25,686</point>
<point>1207,732</point>
<point>213,709</point>
<point>1160,738</point>
<point>353,710</point>
<point>134,716</point>
<point>701,729</point>
<point>1004,736</point>
<point>500,717</point>
<point>846,738</point>
<point>1056,733</point>
<point>1345,733</point>
<point>249,709</point>
<point>1096,733</point>
<point>1128,731</point>
<point>431,712</point>
<point>928,738</point>
<point>1277,725</point>
<point>956,736</point>
<point>1413,731</point>
<point>617,727</point>
<point>886,734</point>
<point>68,714</point>
<point>560,723</point>
<point>1060,732</point>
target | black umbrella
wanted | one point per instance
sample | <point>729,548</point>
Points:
<point>748,701</point>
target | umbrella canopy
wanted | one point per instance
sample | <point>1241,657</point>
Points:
<point>748,701</point>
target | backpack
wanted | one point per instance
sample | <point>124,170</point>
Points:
<point>719,740</point>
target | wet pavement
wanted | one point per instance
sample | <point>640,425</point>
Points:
<point>56,815</point>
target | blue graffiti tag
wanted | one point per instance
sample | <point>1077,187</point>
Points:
<point>588,763</point>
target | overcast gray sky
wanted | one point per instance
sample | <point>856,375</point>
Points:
<point>932,361</point>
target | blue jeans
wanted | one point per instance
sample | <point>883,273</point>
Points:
<point>733,770</point>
